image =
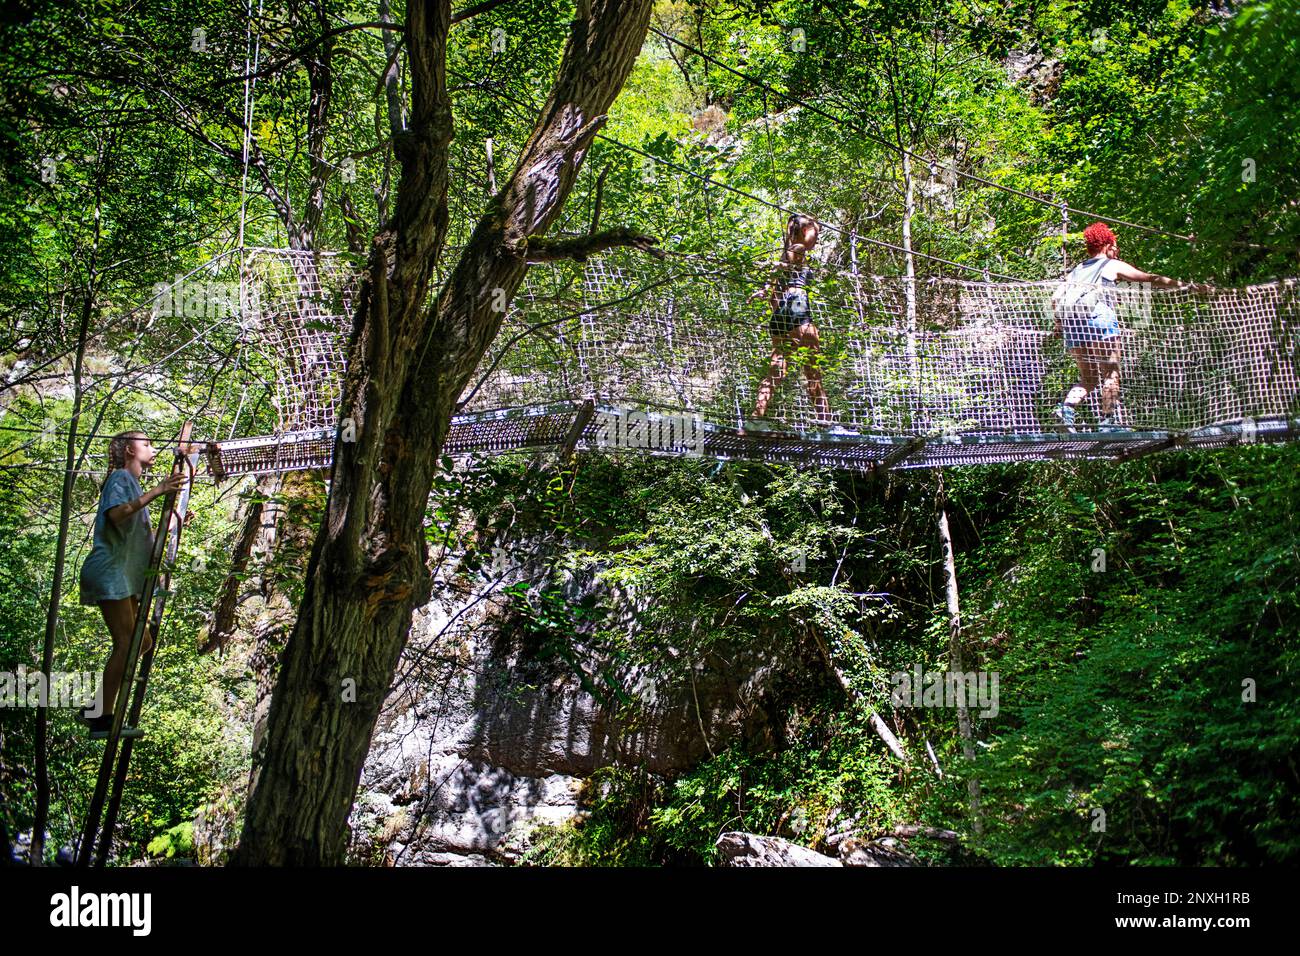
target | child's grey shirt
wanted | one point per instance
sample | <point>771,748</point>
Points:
<point>117,563</point>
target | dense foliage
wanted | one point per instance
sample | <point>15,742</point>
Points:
<point>1148,709</point>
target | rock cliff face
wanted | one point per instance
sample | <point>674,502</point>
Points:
<point>1036,70</point>
<point>505,703</point>
<point>486,733</point>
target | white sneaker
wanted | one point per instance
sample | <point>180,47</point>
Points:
<point>1064,415</point>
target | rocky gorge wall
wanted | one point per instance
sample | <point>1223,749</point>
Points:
<point>483,736</point>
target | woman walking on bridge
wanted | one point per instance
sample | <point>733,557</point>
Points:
<point>791,325</point>
<point>1084,311</point>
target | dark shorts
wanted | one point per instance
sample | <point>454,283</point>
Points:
<point>791,312</point>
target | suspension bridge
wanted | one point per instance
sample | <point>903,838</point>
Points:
<point>919,374</point>
<point>641,341</point>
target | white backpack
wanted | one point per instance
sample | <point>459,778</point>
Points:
<point>1081,289</point>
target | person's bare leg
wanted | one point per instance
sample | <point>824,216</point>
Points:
<point>776,373</point>
<point>807,337</point>
<point>1109,372</point>
<point>120,617</point>
<point>1084,358</point>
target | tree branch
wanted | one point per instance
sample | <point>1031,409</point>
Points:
<point>541,249</point>
<point>600,195</point>
<point>392,95</point>
<point>475,10</point>
<point>277,65</point>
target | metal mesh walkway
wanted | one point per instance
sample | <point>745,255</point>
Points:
<point>552,428</point>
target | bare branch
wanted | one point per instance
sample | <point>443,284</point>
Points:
<point>476,10</point>
<point>541,249</point>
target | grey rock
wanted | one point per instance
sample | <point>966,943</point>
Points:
<point>749,849</point>
<point>885,851</point>
<point>1040,73</point>
<point>480,740</point>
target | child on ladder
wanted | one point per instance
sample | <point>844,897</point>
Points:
<point>113,575</point>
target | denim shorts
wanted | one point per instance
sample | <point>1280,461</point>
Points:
<point>1080,329</point>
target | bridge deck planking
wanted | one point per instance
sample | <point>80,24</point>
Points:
<point>552,427</point>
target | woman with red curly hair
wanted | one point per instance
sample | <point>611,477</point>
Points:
<point>1084,308</point>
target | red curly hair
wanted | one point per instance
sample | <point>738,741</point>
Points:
<point>1098,236</point>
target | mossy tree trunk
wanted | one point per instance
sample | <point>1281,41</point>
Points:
<point>408,364</point>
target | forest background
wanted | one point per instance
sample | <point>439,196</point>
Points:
<point>1122,689</point>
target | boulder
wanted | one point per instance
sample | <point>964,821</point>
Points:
<point>749,849</point>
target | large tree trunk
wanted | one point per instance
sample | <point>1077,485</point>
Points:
<point>408,365</point>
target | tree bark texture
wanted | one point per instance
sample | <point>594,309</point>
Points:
<point>408,364</point>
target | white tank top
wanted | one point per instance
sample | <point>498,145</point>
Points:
<point>1097,269</point>
<point>1079,288</point>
